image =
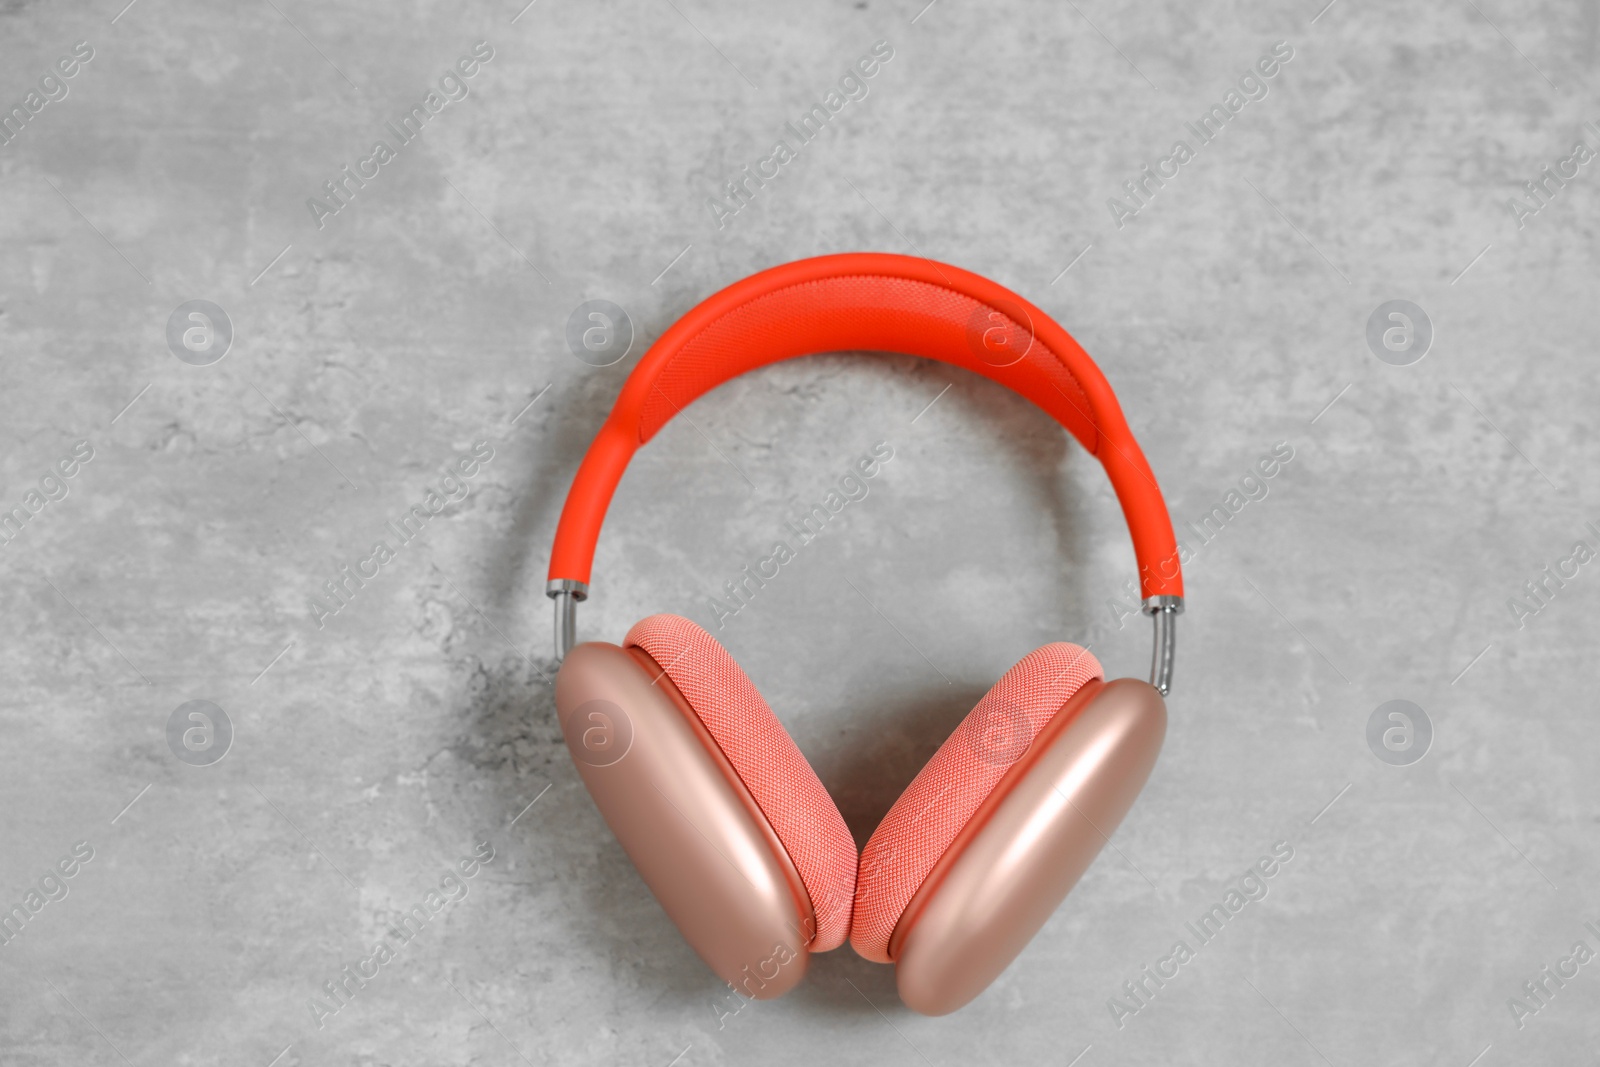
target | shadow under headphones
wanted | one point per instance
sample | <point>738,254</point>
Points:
<point>719,811</point>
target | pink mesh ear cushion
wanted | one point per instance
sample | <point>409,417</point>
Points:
<point>943,796</point>
<point>766,759</point>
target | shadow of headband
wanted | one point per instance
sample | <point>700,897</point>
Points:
<point>873,302</point>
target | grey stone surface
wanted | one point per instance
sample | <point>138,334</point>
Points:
<point>373,752</point>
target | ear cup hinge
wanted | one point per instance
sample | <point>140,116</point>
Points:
<point>566,593</point>
<point>1164,611</point>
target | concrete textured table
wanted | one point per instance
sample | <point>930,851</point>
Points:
<point>284,282</point>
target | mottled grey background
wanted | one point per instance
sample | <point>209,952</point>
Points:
<point>371,754</point>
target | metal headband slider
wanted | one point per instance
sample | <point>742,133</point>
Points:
<point>1164,612</point>
<point>1152,605</point>
<point>566,593</point>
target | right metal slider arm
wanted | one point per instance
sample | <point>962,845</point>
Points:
<point>1164,610</point>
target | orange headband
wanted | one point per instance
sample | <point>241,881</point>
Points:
<point>869,301</point>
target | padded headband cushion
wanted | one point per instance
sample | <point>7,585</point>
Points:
<point>945,794</point>
<point>873,313</point>
<point>766,759</point>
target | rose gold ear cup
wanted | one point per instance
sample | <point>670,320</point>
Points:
<point>687,822</point>
<point>1027,845</point>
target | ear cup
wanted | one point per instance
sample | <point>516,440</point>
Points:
<point>679,810</point>
<point>1027,845</point>
<point>948,791</point>
<point>767,760</point>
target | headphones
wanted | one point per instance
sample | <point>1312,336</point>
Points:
<point>721,814</point>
